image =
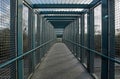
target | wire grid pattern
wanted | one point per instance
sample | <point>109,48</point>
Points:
<point>7,42</point>
<point>97,28</point>
<point>27,59</point>
<point>59,1</point>
<point>117,27</point>
<point>117,38</point>
<point>97,39</point>
<point>37,19</point>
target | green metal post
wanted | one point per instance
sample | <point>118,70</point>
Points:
<point>108,39</point>
<point>33,39</point>
<point>105,23</point>
<point>38,37</point>
<point>90,26</point>
<point>20,67</point>
<point>111,13</point>
<point>82,38</point>
<point>77,37</point>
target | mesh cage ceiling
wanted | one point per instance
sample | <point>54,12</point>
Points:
<point>59,1</point>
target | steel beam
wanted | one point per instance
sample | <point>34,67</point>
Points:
<point>60,20</point>
<point>69,15</point>
<point>90,38</point>
<point>105,26</point>
<point>82,38</point>
<point>20,72</point>
<point>60,17</point>
<point>36,6</point>
<point>108,39</point>
<point>111,13</point>
<point>60,12</point>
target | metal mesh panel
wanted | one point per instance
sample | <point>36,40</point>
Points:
<point>59,1</point>
<point>97,39</point>
<point>37,54</point>
<point>7,41</point>
<point>117,37</point>
<point>117,27</point>
<point>27,60</point>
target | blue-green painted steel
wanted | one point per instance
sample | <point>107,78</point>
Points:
<point>111,13</point>
<point>82,38</point>
<point>94,3</point>
<point>90,26</point>
<point>61,20</point>
<point>86,6</point>
<point>38,37</point>
<point>105,26</point>
<point>61,12</point>
<point>77,37</point>
<point>33,39</point>
<point>40,34</point>
<point>60,17</point>
<point>20,39</point>
<point>30,36</point>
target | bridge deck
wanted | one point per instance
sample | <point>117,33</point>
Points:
<point>59,63</point>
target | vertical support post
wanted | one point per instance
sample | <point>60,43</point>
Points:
<point>74,37</point>
<point>108,39</point>
<point>41,36</point>
<point>33,39</point>
<point>111,13</point>
<point>105,23</point>
<point>42,32</point>
<point>30,36</point>
<point>82,38</point>
<point>77,38</point>
<point>90,26</point>
<point>38,37</point>
<point>31,30</point>
<point>20,38</point>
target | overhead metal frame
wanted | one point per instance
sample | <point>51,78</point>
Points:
<point>60,17</point>
<point>67,15</point>
<point>69,20</point>
<point>85,6</point>
<point>60,12</point>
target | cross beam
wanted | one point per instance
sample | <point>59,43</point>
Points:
<point>60,12</point>
<point>85,6</point>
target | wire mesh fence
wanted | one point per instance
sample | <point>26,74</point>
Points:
<point>7,41</point>
<point>117,37</point>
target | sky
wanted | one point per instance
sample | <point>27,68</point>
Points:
<point>4,14</point>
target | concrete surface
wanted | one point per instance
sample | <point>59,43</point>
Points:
<point>59,63</point>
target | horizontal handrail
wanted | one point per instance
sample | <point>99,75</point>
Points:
<point>98,53</point>
<point>24,54</point>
